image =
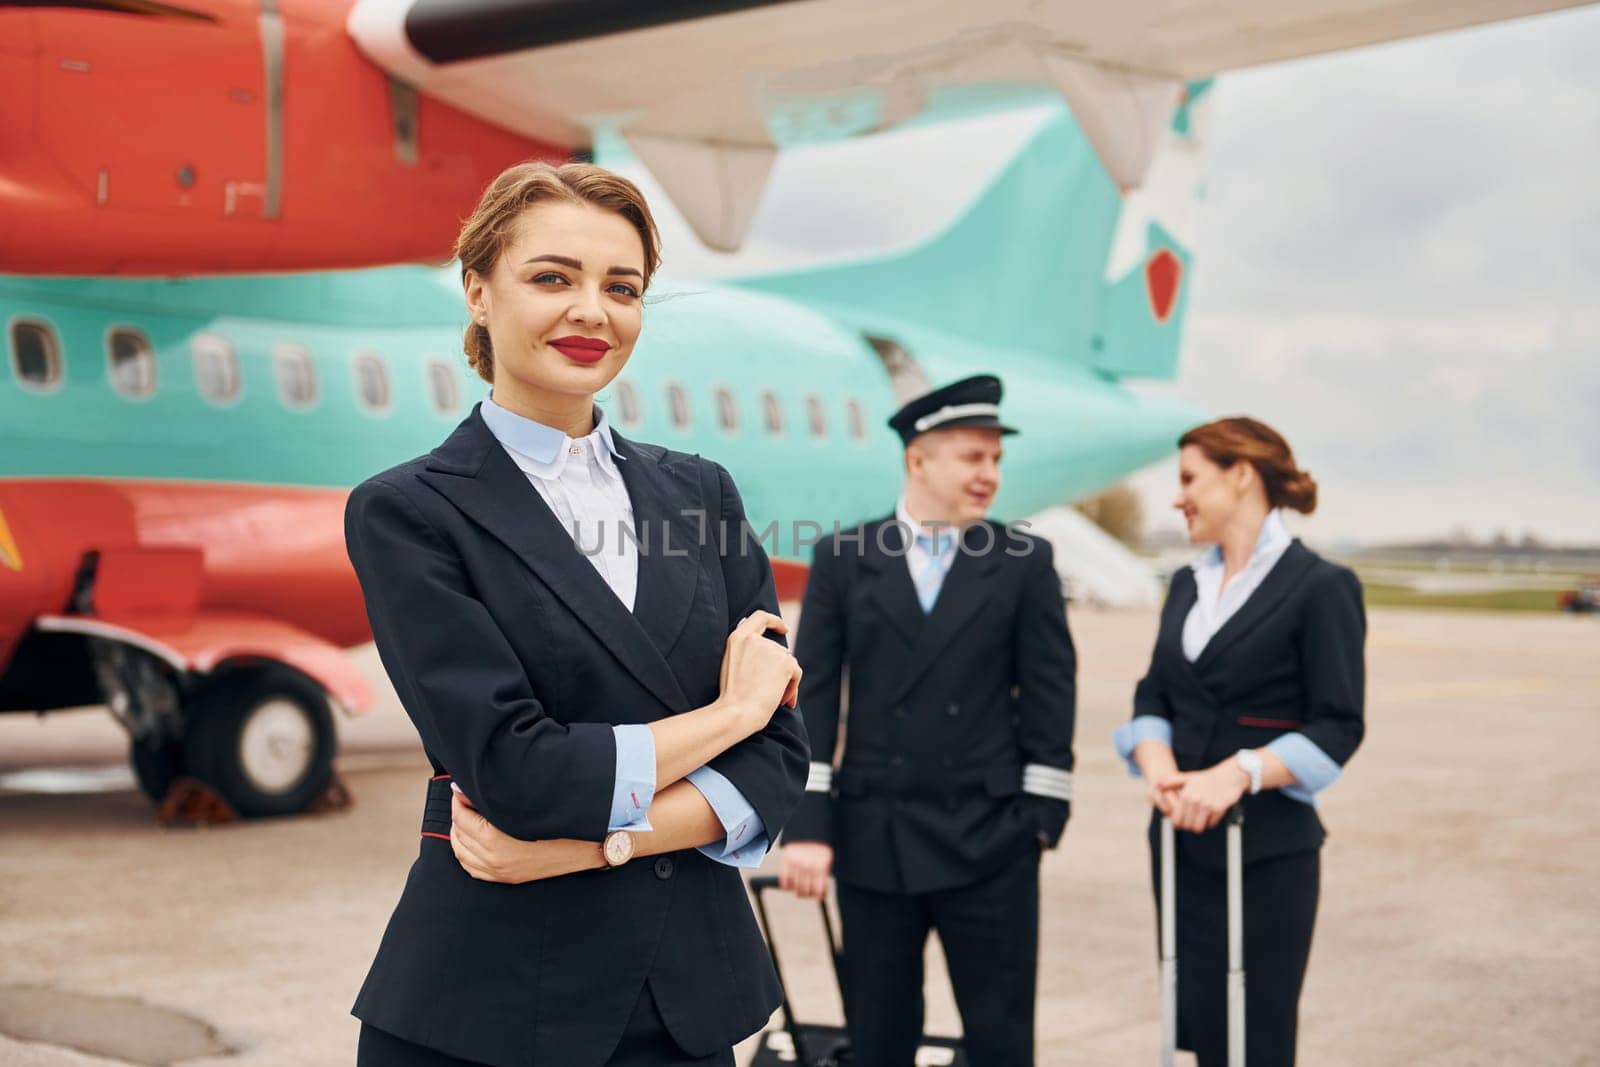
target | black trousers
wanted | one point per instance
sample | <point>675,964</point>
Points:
<point>645,1043</point>
<point>990,934</point>
<point>1280,910</point>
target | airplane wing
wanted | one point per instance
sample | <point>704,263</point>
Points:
<point>706,92</point>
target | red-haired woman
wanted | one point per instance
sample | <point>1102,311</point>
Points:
<point>1254,695</point>
<point>591,677</point>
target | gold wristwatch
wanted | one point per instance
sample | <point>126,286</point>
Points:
<point>617,848</point>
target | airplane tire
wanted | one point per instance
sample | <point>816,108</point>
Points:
<point>155,768</point>
<point>263,738</point>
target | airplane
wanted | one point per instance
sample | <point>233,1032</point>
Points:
<point>177,452</point>
<point>151,137</point>
<point>174,453</point>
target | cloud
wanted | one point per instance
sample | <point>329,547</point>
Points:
<point>1398,258</point>
<point>1433,175</point>
<point>1398,264</point>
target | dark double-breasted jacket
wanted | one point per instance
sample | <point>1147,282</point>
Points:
<point>1290,660</point>
<point>948,712</point>
<point>515,659</point>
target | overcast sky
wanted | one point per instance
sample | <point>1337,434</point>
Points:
<point>1398,266</point>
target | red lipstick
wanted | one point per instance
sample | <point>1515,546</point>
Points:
<point>581,349</point>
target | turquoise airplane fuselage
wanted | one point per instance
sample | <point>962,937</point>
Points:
<point>791,400</point>
<point>196,437</point>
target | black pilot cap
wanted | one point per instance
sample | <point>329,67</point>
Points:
<point>972,401</point>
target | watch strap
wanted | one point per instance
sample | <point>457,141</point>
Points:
<point>1250,762</point>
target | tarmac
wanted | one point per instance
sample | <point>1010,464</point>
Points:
<point>1458,922</point>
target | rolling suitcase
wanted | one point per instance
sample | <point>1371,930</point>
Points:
<point>815,1045</point>
<point>1169,941</point>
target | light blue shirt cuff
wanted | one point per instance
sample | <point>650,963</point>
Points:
<point>1130,735</point>
<point>636,777</point>
<point>744,842</point>
<point>1313,769</point>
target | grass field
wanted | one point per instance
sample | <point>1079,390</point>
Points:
<point>1383,594</point>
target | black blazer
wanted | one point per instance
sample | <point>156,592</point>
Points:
<point>945,709</point>
<point>514,659</point>
<point>1290,661</point>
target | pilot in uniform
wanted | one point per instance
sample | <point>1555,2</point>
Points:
<point>956,766</point>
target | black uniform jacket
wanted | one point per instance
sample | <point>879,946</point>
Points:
<point>1290,661</point>
<point>945,709</point>
<point>514,659</point>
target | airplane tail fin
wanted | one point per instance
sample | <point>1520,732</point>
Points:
<point>1049,258</point>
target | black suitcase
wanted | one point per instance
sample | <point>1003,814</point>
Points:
<point>815,1045</point>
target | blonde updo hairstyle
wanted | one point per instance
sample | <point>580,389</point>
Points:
<point>1227,441</point>
<point>486,234</point>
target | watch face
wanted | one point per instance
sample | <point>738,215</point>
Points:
<point>618,848</point>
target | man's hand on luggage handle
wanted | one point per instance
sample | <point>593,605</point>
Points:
<point>804,867</point>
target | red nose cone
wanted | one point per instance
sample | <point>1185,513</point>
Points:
<point>1163,275</point>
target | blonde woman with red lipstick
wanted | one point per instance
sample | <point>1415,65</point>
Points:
<point>1254,696</point>
<point>605,696</point>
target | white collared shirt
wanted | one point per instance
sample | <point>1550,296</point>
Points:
<point>1311,769</point>
<point>580,480</point>
<point>1215,604</point>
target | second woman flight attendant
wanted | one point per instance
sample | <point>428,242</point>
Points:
<point>588,670</point>
<point>1254,694</point>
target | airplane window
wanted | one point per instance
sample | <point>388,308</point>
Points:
<point>678,406</point>
<point>816,417</point>
<point>35,355</point>
<point>443,389</point>
<point>858,424</point>
<point>627,402</point>
<point>727,410</point>
<point>133,362</point>
<point>216,368</point>
<point>772,412</point>
<point>372,382</point>
<point>296,375</point>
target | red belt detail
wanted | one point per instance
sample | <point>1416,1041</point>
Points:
<point>438,777</point>
<point>430,833</point>
<point>1271,724</point>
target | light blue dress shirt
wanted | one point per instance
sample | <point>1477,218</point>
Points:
<point>578,478</point>
<point>928,556</point>
<point>1313,769</point>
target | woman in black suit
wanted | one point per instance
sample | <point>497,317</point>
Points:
<point>1254,696</point>
<point>612,732</point>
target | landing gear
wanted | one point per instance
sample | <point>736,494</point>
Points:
<point>259,738</point>
<point>144,695</point>
<point>263,738</point>
<point>156,766</point>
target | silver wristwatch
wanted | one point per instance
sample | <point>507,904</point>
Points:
<point>1250,761</point>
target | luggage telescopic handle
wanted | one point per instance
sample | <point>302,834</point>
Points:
<point>1235,820</point>
<point>1169,948</point>
<point>1169,940</point>
<point>760,885</point>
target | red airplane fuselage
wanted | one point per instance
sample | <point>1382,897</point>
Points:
<point>243,136</point>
